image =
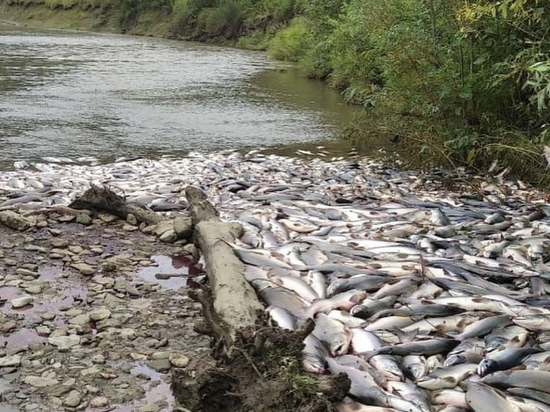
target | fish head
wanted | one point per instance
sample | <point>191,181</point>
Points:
<point>495,343</point>
<point>486,366</point>
<point>416,371</point>
<point>454,360</point>
<point>336,286</point>
<point>339,346</point>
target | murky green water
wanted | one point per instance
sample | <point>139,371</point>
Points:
<point>68,94</point>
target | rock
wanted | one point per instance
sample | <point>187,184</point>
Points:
<point>160,355</point>
<point>164,226</point>
<point>10,262</point>
<point>80,320</point>
<point>138,356</point>
<point>100,314</point>
<point>72,399</point>
<point>8,326</point>
<point>33,289</point>
<point>179,361</point>
<point>48,316</point>
<point>77,250</point>
<point>183,227</point>
<point>7,361</point>
<point>26,272</point>
<point>14,220</point>
<point>149,230</point>
<point>99,359</point>
<point>84,219</point>
<point>64,342</point>
<point>43,330</point>
<point>131,219</point>
<point>21,301</point>
<point>168,237</point>
<point>84,268</point>
<point>40,381</point>
<point>99,402</point>
<point>192,250</point>
<point>59,243</point>
<point>150,407</point>
<point>107,218</point>
<point>129,228</point>
<point>160,365</point>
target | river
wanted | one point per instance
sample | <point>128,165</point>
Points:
<point>78,95</point>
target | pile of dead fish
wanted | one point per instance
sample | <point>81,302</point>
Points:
<point>428,298</point>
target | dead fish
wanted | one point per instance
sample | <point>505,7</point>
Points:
<point>503,359</point>
<point>479,396</point>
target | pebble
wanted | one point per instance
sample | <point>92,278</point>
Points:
<point>183,227</point>
<point>179,361</point>
<point>13,360</point>
<point>149,408</point>
<point>160,365</point>
<point>26,272</point>
<point>33,289</point>
<point>84,219</point>
<point>72,399</point>
<point>64,342</point>
<point>59,243</point>
<point>107,218</point>
<point>131,219</point>
<point>100,314</point>
<point>48,316</point>
<point>99,359</point>
<point>84,268</point>
<point>129,228</point>
<point>8,326</point>
<point>21,301</point>
<point>40,381</point>
<point>99,402</point>
<point>169,236</point>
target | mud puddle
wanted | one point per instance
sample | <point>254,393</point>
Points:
<point>172,272</point>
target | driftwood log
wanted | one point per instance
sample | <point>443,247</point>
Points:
<point>104,199</point>
<point>234,301</point>
<point>258,367</point>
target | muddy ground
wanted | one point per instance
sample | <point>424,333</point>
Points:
<point>94,317</point>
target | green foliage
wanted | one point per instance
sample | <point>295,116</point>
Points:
<point>291,43</point>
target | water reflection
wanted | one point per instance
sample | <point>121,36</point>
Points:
<point>76,94</point>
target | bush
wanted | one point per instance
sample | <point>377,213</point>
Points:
<point>292,43</point>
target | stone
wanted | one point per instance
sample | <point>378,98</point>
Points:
<point>8,326</point>
<point>21,301</point>
<point>131,219</point>
<point>99,359</point>
<point>179,361</point>
<point>100,314</point>
<point>64,342</point>
<point>66,218</point>
<point>99,402</point>
<point>107,218</point>
<point>168,237</point>
<point>80,320</point>
<point>160,365</point>
<point>48,316</point>
<point>151,407</point>
<point>72,399</point>
<point>84,268</point>
<point>129,228</point>
<point>33,289</point>
<point>43,330</point>
<point>59,243</point>
<point>160,355</point>
<point>84,219</point>
<point>138,356</point>
<point>26,272</point>
<point>40,381</point>
<point>14,220</point>
<point>192,250</point>
<point>183,227</point>
<point>7,361</point>
<point>10,262</point>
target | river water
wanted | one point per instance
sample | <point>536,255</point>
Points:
<point>75,95</point>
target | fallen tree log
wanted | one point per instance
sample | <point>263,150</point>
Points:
<point>234,300</point>
<point>104,199</point>
<point>258,366</point>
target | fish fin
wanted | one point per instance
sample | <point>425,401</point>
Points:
<point>405,337</point>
